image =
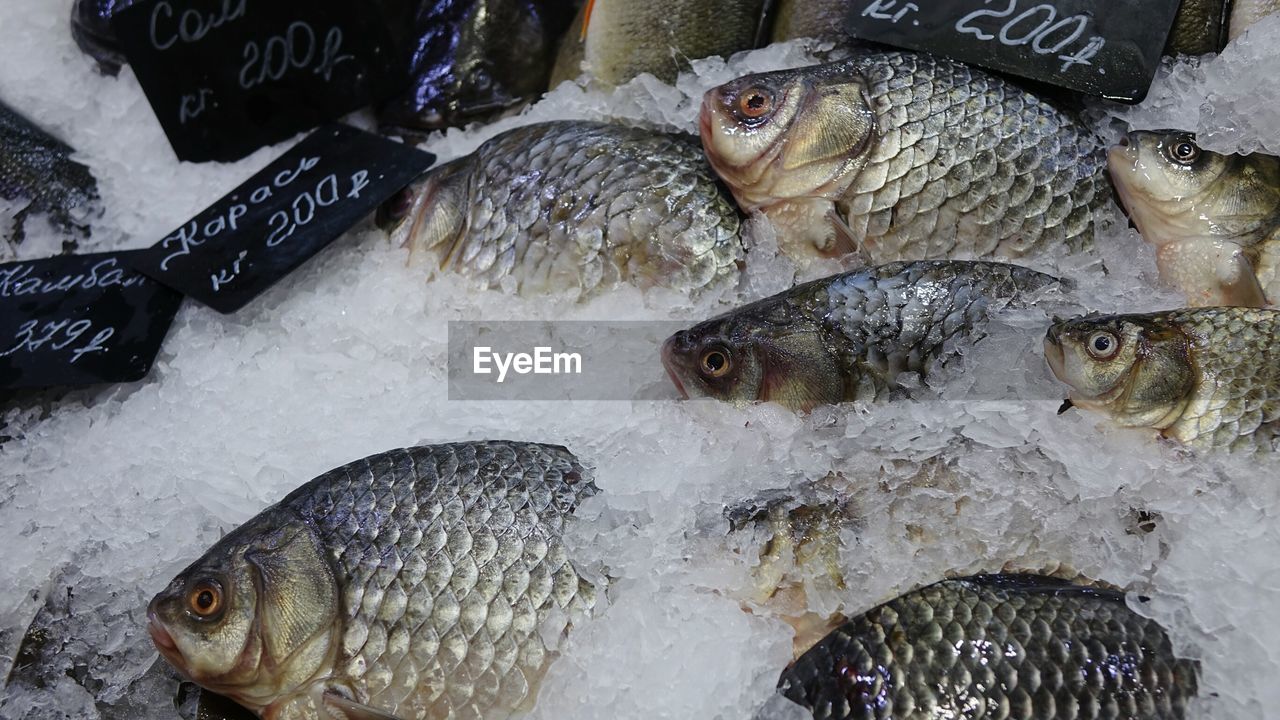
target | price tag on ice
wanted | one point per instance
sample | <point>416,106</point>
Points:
<point>1100,47</point>
<point>226,77</point>
<point>241,245</point>
<point>80,320</point>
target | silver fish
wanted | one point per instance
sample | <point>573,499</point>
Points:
<point>410,584</point>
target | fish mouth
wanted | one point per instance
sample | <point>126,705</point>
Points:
<point>668,363</point>
<point>163,641</point>
<point>1054,354</point>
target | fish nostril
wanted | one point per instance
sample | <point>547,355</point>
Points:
<point>1124,140</point>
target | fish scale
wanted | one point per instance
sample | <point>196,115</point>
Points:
<point>444,561</point>
<point>937,159</point>
<point>576,205</point>
<point>1004,646</point>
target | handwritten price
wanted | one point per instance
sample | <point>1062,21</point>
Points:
<point>31,337</point>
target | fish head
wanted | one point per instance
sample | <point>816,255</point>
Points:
<point>1176,191</point>
<point>255,618</point>
<point>1137,369</point>
<point>780,136</point>
<point>763,352</point>
<point>431,213</point>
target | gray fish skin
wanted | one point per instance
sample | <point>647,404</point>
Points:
<point>36,167</point>
<point>904,156</point>
<point>847,336</point>
<point>575,206</point>
<point>413,583</point>
<point>997,646</point>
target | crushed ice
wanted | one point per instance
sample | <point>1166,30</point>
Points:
<point>104,496</point>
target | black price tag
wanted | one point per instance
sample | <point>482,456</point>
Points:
<point>1109,49</point>
<point>249,239</point>
<point>80,320</point>
<point>226,77</point>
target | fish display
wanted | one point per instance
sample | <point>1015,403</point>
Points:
<point>410,584</point>
<point>574,206</point>
<point>994,646</point>
<point>473,59</point>
<point>1208,378</point>
<point>1214,219</point>
<point>616,40</point>
<point>845,337</point>
<point>904,156</point>
<point>37,168</point>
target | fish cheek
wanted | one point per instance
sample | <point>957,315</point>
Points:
<point>298,599</point>
<point>803,376</point>
<point>1164,377</point>
<point>838,125</point>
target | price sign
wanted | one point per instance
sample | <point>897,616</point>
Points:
<point>1109,49</point>
<point>246,241</point>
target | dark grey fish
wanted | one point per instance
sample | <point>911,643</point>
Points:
<point>844,337</point>
<point>92,31</point>
<point>995,646</point>
<point>411,584</point>
<point>37,168</point>
<point>472,59</point>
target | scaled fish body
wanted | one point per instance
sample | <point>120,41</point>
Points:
<point>995,646</point>
<point>1214,219</point>
<point>411,583</point>
<point>38,168</point>
<point>901,156</point>
<point>616,40</point>
<point>845,337</point>
<point>1205,377</point>
<point>575,205</point>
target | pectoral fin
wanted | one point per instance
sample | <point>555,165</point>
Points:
<point>341,707</point>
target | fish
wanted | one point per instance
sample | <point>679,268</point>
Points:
<point>411,584</point>
<point>574,206</point>
<point>904,156</point>
<point>1244,13</point>
<point>1214,219</point>
<point>821,19</point>
<point>846,337</point>
<point>1206,378</point>
<point>1199,27</point>
<point>475,59</point>
<point>995,646</point>
<point>37,168</point>
<point>617,40</point>
<point>92,31</point>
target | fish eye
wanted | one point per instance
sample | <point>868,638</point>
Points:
<point>715,362</point>
<point>205,599</point>
<point>1103,345</point>
<point>754,103</point>
<point>1183,151</point>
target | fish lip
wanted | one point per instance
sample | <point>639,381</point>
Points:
<point>668,363</point>
<point>160,636</point>
<point>1054,353</point>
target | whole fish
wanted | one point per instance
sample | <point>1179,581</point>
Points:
<point>410,584</point>
<point>995,646</point>
<point>844,337</point>
<point>473,59</point>
<point>1205,377</point>
<point>574,205</point>
<point>902,156</point>
<point>37,168</point>
<point>616,40</point>
<point>1214,219</point>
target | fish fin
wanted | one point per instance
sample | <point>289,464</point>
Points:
<point>846,242</point>
<point>1239,283</point>
<point>586,20</point>
<point>352,710</point>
